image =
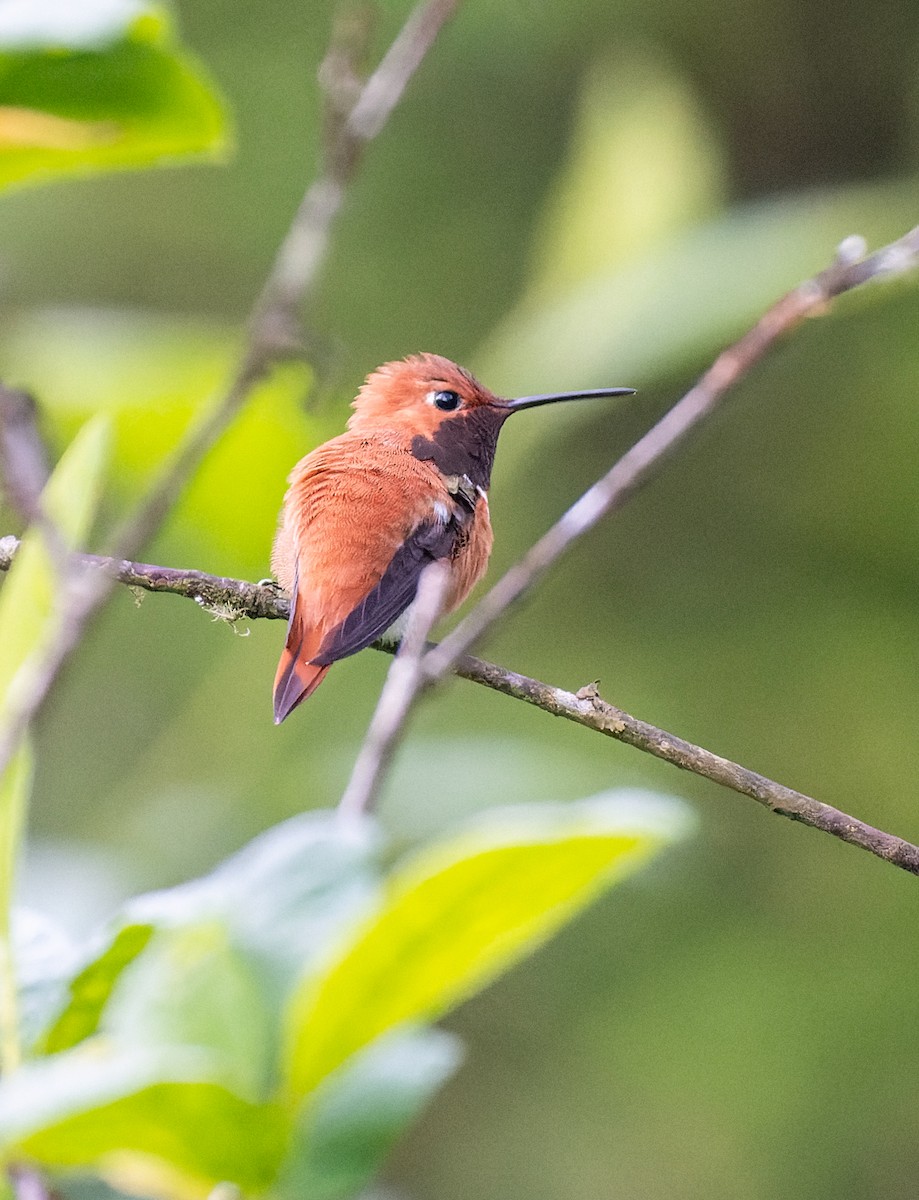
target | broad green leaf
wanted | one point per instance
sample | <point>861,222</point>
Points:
<point>284,898</point>
<point>97,86</point>
<point>281,901</point>
<point>190,987</point>
<point>360,1111</point>
<point>457,914</point>
<point>15,786</point>
<point>156,1121</point>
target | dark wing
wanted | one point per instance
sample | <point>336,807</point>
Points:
<point>392,595</point>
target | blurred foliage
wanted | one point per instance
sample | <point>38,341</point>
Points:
<point>570,195</point>
<point>214,1047</point>
<point>29,621</point>
<point>97,85</point>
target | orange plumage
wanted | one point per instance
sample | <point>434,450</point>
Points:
<point>367,511</point>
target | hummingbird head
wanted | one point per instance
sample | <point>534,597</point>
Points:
<point>448,417</point>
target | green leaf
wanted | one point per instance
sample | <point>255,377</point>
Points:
<point>457,914</point>
<point>97,86</point>
<point>15,786</point>
<point>91,986</point>
<point>282,900</point>
<point>28,619</point>
<point>359,1112</point>
<point>70,500</point>
<point>148,1120</point>
<point>189,987</point>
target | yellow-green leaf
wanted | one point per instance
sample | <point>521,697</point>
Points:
<point>458,913</point>
<point>70,500</point>
<point>89,87</point>
<point>151,1121</point>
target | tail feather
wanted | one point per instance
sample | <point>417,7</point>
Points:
<point>297,677</point>
<point>294,681</point>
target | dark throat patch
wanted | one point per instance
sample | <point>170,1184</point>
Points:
<point>464,445</point>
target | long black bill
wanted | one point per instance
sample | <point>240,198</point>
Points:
<point>552,397</point>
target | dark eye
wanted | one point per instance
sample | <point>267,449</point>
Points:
<point>446,401</point>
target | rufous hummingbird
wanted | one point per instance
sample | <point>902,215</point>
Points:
<point>366,512</point>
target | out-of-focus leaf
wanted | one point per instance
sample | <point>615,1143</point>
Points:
<point>189,987</point>
<point>26,598</point>
<point>689,294</point>
<point>45,957</point>
<point>458,913</point>
<point>281,900</point>
<point>27,620</point>
<point>643,165</point>
<point>284,897</point>
<point>90,989</point>
<point>98,86</point>
<point>15,786</point>
<point>154,1120</point>
<point>358,1113</point>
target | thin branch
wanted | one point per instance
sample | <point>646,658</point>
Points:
<point>292,278</point>
<point>403,691</point>
<point>274,329</point>
<point>234,598</point>
<point>397,697</point>
<point>644,458</point>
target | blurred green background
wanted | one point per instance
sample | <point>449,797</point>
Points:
<point>570,195</point>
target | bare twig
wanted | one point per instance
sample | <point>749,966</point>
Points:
<point>274,325</point>
<point>397,697</point>
<point>639,462</point>
<point>585,708</point>
<point>294,273</point>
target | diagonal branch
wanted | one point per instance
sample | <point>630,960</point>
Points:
<point>235,599</point>
<point>274,330</point>
<point>292,279</point>
<point>850,270</point>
